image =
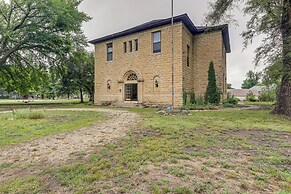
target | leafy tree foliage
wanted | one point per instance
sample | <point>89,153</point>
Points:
<point>33,35</point>
<point>32,30</point>
<point>273,74</point>
<point>78,74</point>
<point>251,80</point>
<point>212,94</point>
<point>24,80</point>
<point>272,19</point>
<point>229,86</point>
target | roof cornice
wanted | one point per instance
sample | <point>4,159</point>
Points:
<point>184,18</point>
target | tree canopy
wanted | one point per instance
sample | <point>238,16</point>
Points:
<point>35,34</point>
<point>272,19</point>
<point>78,74</point>
<point>34,31</point>
<point>252,79</point>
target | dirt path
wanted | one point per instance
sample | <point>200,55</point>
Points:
<point>58,149</point>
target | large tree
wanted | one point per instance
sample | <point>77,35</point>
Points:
<point>251,80</point>
<point>272,75</point>
<point>34,31</point>
<point>77,74</point>
<point>271,18</point>
<point>23,80</point>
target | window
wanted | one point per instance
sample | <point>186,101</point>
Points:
<point>109,52</point>
<point>136,44</point>
<point>132,77</point>
<point>108,84</point>
<point>188,55</point>
<point>157,42</point>
<point>125,47</point>
<point>130,46</point>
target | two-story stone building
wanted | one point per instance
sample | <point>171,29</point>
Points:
<point>135,65</point>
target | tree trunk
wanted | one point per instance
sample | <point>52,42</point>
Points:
<point>81,95</point>
<point>68,95</point>
<point>90,91</point>
<point>283,106</point>
<point>91,99</point>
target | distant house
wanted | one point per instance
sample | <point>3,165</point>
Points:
<point>135,65</point>
<point>8,95</point>
<point>242,93</point>
<point>3,94</point>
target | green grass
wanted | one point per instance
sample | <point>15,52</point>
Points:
<point>29,184</point>
<point>40,102</point>
<point>260,103</point>
<point>226,152</point>
<point>216,120</point>
<point>27,124</point>
<point>45,104</point>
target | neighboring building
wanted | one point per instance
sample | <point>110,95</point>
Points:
<point>135,65</point>
<point>242,93</point>
<point>3,94</point>
<point>8,95</point>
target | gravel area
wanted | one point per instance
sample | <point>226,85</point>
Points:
<point>58,149</point>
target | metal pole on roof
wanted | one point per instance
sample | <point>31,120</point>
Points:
<point>172,54</point>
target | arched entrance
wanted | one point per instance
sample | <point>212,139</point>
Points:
<point>131,87</point>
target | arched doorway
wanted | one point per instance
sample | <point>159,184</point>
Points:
<point>131,87</point>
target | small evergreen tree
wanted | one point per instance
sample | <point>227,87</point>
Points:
<point>184,98</point>
<point>212,94</point>
<point>192,98</point>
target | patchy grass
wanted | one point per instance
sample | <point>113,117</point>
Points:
<point>47,104</point>
<point>259,103</point>
<point>27,124</point>
<point>208,152</point>
<point>29,184</point>
<point>40,102</point>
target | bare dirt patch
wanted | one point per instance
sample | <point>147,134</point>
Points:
<point>58,149</point>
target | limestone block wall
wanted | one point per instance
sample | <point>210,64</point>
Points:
<point>209,47</point>
<point>147,65</point>
<point>188,70</point>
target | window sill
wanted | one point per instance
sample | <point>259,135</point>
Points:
<point>159,53</point>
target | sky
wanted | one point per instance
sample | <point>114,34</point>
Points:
<point>117,15</point>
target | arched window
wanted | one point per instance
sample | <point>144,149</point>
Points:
<point>132,77</point>
<point>156,83</point>
<point>108,85</point>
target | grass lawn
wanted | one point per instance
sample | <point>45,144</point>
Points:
<point>208,152</point>
<point>45,104</point>
<point>40,102</point>
<point>260,103</point>
<point>29,124</point>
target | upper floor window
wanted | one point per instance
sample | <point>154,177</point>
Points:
<point>157,42</point>
<point>125,47</point>
<point>188,55</point>
<point>130,46</point>
<point>109,52</point>
<point>136,44</point>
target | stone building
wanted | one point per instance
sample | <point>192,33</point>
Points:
<point>135,65</point>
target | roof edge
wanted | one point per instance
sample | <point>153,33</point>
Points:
<point>161,22</point>
<point>146,26</point>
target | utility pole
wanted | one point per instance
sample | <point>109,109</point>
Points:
<point>172,53</point>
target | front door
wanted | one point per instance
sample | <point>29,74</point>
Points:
<point>131,92</point>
